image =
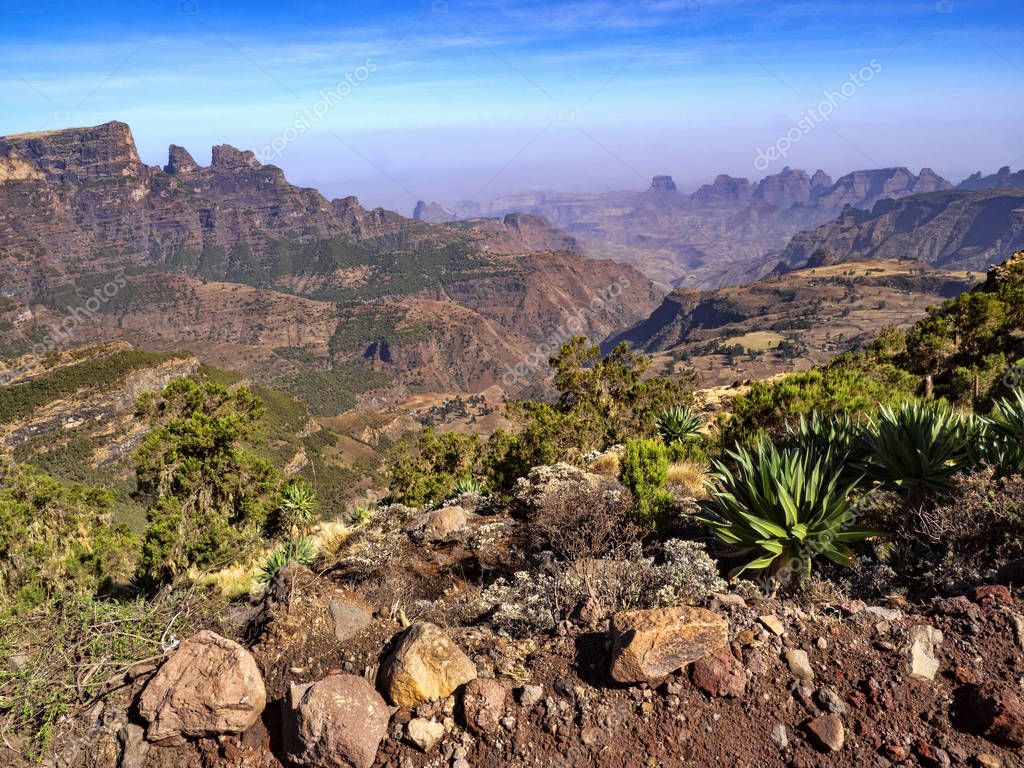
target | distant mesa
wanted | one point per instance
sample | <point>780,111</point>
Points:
<point>433,213</point>
<point>663,184</point>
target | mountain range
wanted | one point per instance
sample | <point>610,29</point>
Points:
<point>733,230</point>
<point>275,280</point>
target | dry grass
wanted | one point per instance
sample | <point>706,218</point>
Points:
<point>329,536</point>
<point>234,582</point>
<point>688,479</point>
<point>606,464</point>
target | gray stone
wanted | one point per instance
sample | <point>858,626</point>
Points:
<point>349,618</point>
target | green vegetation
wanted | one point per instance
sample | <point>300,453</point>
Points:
<point>292,552</point>
<point>603,400</point>
<point>328,393</point>
<point>57,539</point>
<point>785,508</point>
<point>19,400</point>
<point>644,471</point>
<point>80,646</point>
<point>915,449</point>
<point>208,499</point>
<point>968,343</point>
<point>679,424</point>
<point>851,384</point>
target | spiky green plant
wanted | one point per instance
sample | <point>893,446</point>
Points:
<point>469,485</point>
<point>360,515</point>
<point>832,438</point>
<point>784,507</point>
<point>298,506</point>
<point>916,448</point>
<point>679,424</point>
<point>297,551</point>
<point>1003,446</point>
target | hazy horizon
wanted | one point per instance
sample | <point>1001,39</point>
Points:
<point>472,100</point>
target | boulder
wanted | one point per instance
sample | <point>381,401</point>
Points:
<point>996,711</point>
<point>922,663</point>
<point>445,523</point>
<point>208,687</point>
<point>649,644</point>
<point>424,664</point>
<point>720,674</point>
<point>338,722</point>
<point>483,705</point>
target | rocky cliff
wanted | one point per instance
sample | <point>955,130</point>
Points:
<point>953,229</point>
<point>275,279</point>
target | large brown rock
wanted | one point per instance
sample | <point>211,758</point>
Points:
<point>996,711</point>
<point>445,523</point>
<point>654,643</point>
<point>210,686</point>
<point>337,722</point>
<point>424,664</point>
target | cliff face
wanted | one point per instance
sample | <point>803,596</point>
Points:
<point>954,229</point>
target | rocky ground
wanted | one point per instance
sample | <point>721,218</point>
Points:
<point>462,637</point>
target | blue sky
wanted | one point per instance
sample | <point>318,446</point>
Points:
<point>477,98</point>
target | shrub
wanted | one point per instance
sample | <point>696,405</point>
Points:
<point>578,521</point>
<point>784,507</point>
<point>57,539</point>
<point>915,449</point>
<point>72,647</point>
<point>428,471</point>
<point>850,384</point>
<point>644,472</point>
<point>208,499</point>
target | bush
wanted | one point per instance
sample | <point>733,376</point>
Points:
<point>850,384</point>
<point>73,648</point>
<point>57,539</point>
<point>209,500</point>
<point>644,472</point>
<point>428,471</point>
<point>784,507</point>
<point>577,521</point>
